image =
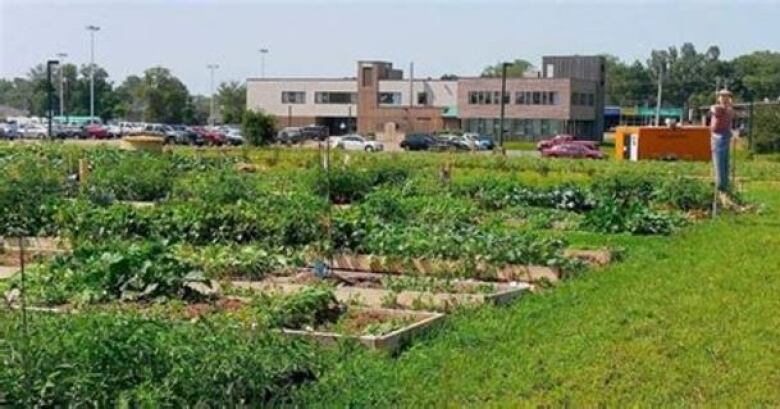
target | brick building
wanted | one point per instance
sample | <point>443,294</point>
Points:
<point>567,95</point>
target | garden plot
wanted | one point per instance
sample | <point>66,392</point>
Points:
<point>444,268</point>
<point>383,329</point>
<point>393,291</point>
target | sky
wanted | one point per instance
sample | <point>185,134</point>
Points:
<point>326,38</point>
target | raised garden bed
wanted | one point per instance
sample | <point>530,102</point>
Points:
<point>599,257</point>
<point>394,328</point>
<point>391,265</point>
<point>389,291</point>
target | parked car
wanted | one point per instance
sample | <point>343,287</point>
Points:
<point>355,142</point>
<point>460,142</point>
<point>189,135</point>
<point>485,143</point>
<point>290,135</point>
<point>315,132</point>
<point>37,131</point>
<point>564,139</point>
<point>156,129</point>
<point>9,130</point>
<point>574,151</point>
<point>423,142</point>
<point>234,136</point>
<point>214,137</point>
<point>95,131</point>
<point>118,130</point>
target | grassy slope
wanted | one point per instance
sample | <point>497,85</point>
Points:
<point>691,319</point>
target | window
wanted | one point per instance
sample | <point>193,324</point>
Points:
<point>520,98</point>
<point>473,97</point>
<point>335,97</point>
<point>422,98</point>
<point>591,100</point>
<point>555,98</point>
<point>550,70</point>
<point>390,98</point>
<point>545,98</point>
<point>488,98</point>
<point>537,97</point>
<point>293,97</point>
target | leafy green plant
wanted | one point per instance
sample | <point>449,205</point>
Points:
<point>113,271</point>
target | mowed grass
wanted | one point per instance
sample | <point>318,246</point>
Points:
<point>691,319</point>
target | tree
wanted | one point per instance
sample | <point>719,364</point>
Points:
<point>80,92</point>
<point>258,127</point>
<point>758,74</point>
<point>131,99</point>
<point>165,97</point>
<point>516,68</point>
<point>231,97</point>
<point>627,85</point>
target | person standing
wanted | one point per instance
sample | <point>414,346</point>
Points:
<point>720,126</point>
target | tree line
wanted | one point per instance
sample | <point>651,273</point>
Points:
<point>156,96</point>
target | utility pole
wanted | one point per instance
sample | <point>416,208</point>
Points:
<point>211,68</point>
<point>411,97</point>
<point>50,93</point>
<point>263,52</point>
<point>92,30</point>
<point>61,57</point>
<point>661,70</point>
<point>503,103</point>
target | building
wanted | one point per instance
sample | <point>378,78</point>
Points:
<point>566,95</point>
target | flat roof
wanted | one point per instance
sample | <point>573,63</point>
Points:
<point>278,79</point>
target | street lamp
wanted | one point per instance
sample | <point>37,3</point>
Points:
<point>211,68</point>
<point>92,30</point>
<point>61,57</point>
<point>263,52</point>
<point>504,66</point>
<point>49,94</point>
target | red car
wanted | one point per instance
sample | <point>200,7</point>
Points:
<point>574,151</point>
<point>96,131</point>
<point>214,137</point>
<point>564,139</point>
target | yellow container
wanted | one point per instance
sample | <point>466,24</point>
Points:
<point>146,143</point>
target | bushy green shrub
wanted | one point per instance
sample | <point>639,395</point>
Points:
<point>216,186</point>
<point>132,176</point>
<point>98,360</point>
<point>30,193</point>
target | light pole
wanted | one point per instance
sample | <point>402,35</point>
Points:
<point>92,30</point>
<point>49,93</point>
<point>503,103</point>
<point>662,68</point>
<point>61,57</point>
<point>211,68</point>
<point>263,52</point>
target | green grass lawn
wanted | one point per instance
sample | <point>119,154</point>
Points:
<point>691,319</point>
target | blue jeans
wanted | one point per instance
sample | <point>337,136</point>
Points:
<point>721,143</point>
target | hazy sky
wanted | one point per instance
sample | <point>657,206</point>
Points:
<point>319,38</point>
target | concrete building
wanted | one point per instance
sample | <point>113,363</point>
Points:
<point>566,95</point>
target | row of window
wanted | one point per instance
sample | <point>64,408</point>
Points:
<point>299,97</point>
<point>527,128</point>
<point>580,98</point>
<point>529,98</point>
<point>395,98</point>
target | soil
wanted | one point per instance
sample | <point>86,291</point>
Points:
<point>222,305</point>
<point>357,322</point>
